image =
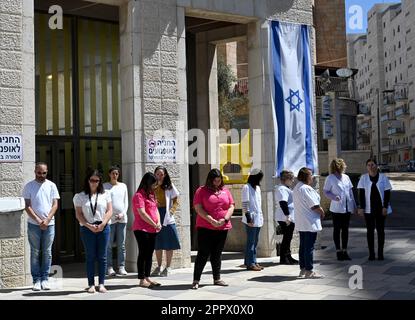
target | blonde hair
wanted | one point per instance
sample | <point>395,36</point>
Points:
<point>286,175</point>
<point>337,166</point>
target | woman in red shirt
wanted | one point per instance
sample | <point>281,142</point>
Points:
<point>214,206</point>
<point>146,225</point>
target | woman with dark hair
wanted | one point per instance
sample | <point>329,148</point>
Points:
<point>214,206</point>
<point>308,215</point>
<point>146,225</point>
<point>119,196</point>
<point>94,210</point>
<point>374,197</point>
<point>167,239</point>
<point>284,215</point>
<point>252,217</point>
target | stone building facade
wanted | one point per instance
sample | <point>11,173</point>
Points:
<point>154,94</point>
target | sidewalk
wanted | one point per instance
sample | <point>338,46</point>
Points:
<point>393,278</point>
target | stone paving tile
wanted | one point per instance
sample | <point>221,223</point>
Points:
<point>254,293</point>
<point>396,295</point>
<point>399,270</point>
<point>369,294</point>
<point>337,297</point>
<point>314,288</point>
<point>339,291</point>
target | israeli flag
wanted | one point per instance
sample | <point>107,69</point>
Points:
<point>292,93</point>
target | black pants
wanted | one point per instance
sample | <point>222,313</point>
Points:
<point>146,242</point>
<point>210,243</point>
<point>341,226</point>
<point>375,220</point>
<point>287,236</point>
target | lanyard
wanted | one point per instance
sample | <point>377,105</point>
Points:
<point>93,208</point>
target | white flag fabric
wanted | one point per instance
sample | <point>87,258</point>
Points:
<point>291,87</point>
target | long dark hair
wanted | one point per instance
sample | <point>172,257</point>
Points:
<point>166,184</point>
<point>146,183</point>
<point>212,175</point>
<point>90,173</point>
<point>255,178</point>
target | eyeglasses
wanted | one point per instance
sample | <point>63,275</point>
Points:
<point>94,180</point>
<point>42,173</point>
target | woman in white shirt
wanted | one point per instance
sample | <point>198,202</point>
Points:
<point>119,196</point>
<point>339,189</point>
<point>252,217</point>
<point>168,238</point>
<point>284,215</point>
<point>93,211</point>
<point>308,215</point>
<point>374,198</point>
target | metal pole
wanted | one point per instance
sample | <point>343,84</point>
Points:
<point>379,126</point>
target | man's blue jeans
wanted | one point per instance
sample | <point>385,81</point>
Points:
<point>40,242</point>
<point>252,235</point>
<point>95,245</point>
<point>307,241</point>
<point>118,231</point>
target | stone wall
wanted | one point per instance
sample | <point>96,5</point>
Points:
<point>16,117</point>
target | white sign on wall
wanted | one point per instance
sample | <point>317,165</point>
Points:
<point>161,150</point>
<point>11,148</point>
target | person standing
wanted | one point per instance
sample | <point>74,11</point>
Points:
<point>167,202</point>
<point>118,226</point>
<point>284,215</point>
<point>308,215</point>
<point>146,226</point>
<point>374,198</point>
<point>339,189</point>
<point>41,203</point>
<point>94,210</point>
<point>252,217</point>
<point>214,206</point>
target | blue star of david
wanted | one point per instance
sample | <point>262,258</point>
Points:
<point>290,100</point>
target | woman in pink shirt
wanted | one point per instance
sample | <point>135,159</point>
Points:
<point>214,206</point>
<point>146,225</point>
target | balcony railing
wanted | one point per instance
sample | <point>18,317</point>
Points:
<point>402,111</point>
<point>338,85</point>
<point>396,131</point>
<point>400,146</point>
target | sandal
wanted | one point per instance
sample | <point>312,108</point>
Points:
<point>155,284</point>
<point>220,283</point>
<point>145,284</point>
<point>195,285</point>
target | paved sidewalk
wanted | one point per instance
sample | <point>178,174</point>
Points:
<point>393,278</point>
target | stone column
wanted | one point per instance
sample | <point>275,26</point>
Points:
<point>152,39</point>
<point>17,116</point>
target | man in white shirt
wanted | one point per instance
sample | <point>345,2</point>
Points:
<point>41,198</point>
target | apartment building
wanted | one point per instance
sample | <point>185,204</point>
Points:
<point>384,83</point>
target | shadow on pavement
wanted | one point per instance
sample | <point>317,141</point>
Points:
<point>274,278</point>
<point>52,293</point>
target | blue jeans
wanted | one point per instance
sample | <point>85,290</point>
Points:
<point>252,235</point>
<point>95,245</point>
<point>118,231</point>
<point>307,241</point>
<point>40,242</point>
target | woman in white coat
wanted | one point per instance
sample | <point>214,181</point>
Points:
<point>374,197</point>
<point>167,202</point>
<point>252,217</point>
<point>339,189</point>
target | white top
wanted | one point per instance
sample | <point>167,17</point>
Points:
<point>82,200</point>
<point>255,206</point>
<point>383,185</point>
<point>344,189</point>
<point>283,193</point>
<point>305,198</point>
<point>41,196</point>
<point>119,197</point>
<point>170,195</point>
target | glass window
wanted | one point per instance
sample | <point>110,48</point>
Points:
<point>348,132</point>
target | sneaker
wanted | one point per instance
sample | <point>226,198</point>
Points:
<point>36,286</point>
<point>254,268</point>
<point>165,272</point>
<point>102,289</point>
<point>91,289</point>
<point>122,272</point>
<point>111,272</point>
<point>156,272</point>
<point>302,273</point>
<point>313,275</point>
<point>45,285</point>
